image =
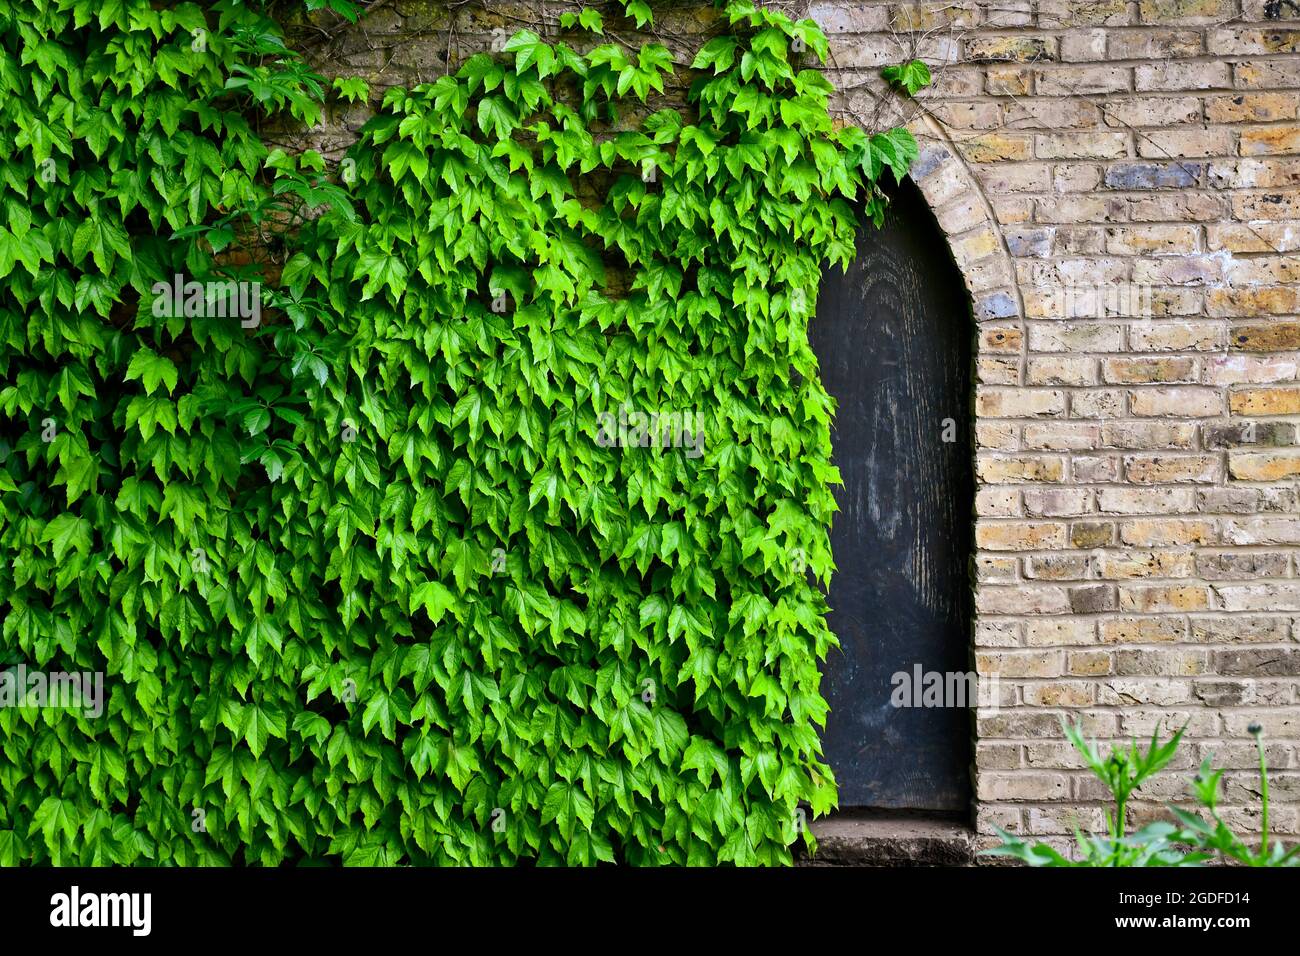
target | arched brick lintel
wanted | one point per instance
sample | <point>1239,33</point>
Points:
<point>966,218</point>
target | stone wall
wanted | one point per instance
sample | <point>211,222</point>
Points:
<point>1120,185</point>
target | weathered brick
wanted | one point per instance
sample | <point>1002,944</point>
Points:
<point>1068,209</point>
<point>1268,434</point>
<point>1147,371</point>
<point>1172,435</point>
<point>993,370</point>
<point>992,569</point>
<point>1238,303</point>
<point>1174,175</point>
<point>1097,403</point>
<point>1003,340</point>
<point>1093,468</point>
<point>1248,40</point>
<point>1184,11</point>
<point>1248,173</point>
<point>1251,107</point>
<point>1176,143</point>
<point>1061,436</point>
<point>1019,535</point>
<point>1192,207</point>
<point>1183,77</point>
<point>849,18</point>
<point>1068,337</point>
<point>1177,336</point>
<point>1271,270</point>
<point>1092,599</point>
<point>1097,145</point>
<point>1060,632</point>
<point>1235,500</point>
<point>1009,81</point>
<point>1082,80</point>
<point>1267,74</point>
<point>1022,599</point>
<point>1020,403</point>
<point>1245,531</point>
<point>1092,534</point>
<point>1164,532</point>
<point>1264,466</point>
<point>1154,44</point>
<point>1055,14</point>
<point>1151,240</point>
<point>1122,565</point>
<point>997,633</point>
<point>1266,205</point>
<point>1273,337</point>
<point>997,502</point>
<point>1121,692</point>
<point>1142,630</point>
<point>1276,237</point>
<point>1165,469</point>
<point>1057,502</point>
<point>1029,241</point>
<point>995,147</point>
<point>1241,565</point>
<point>1186,402</point>
<point>1235,693</point>
<point>1239,629</point>
<point>1270,139</point>
<point>1143,723</point>
<point>1152,111</point>
<point>1238,369</point>
<point>1061,370</point>
<point>1177,402</point>
<point>1022,786</point>
<point>1133,662</point>
<point>1057,567</point>
<point>1088,663</point>
<point>996,436</point>
<point>1029,177</point>
<point>1265,401</point>
<point>1016,48</point>
<point>997,756</point>
<point>1145,501</point>
<point>1158,598</point>
<point>1001,470</point>
<point>1075,693</point>
<point>1258,662</point>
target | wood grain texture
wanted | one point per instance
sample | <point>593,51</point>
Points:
<point>893,337</point>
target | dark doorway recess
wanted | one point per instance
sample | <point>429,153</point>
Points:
<point>893,337</point>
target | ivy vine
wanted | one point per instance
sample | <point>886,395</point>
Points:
<point>499,533</point>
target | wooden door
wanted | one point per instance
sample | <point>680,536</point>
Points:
<point>893,337</point>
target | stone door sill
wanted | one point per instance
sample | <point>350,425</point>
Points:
<point>891,838</point>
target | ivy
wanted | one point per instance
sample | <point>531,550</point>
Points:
<point>498,531</point>
<point>910,77</point>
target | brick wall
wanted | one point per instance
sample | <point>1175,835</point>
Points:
<point>1119,181</point>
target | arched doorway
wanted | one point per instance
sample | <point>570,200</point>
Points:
<point>893,336</point>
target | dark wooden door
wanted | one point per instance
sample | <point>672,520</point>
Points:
<point>893,337</point>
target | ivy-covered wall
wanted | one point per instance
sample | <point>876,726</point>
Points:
<point>317,636</point>
<point>1119,181</point>
<point>463,499</point>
